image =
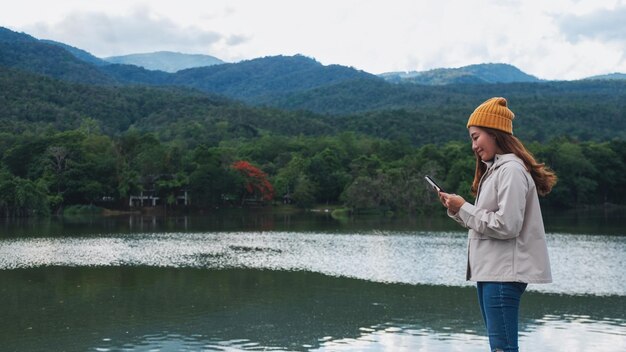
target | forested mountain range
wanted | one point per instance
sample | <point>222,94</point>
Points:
<point>481,73</point>
<point>30,101</point>
<point>36,103</point>
<point>79,53</point>
<point>254,81</point>
<point>77,130</point>
<point>340,98</point>
<point>582,109</point>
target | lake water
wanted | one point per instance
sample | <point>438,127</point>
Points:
<point>238,281</point>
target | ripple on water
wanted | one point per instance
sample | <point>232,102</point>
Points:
<point>581,264</point>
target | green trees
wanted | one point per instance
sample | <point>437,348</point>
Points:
<point>608,160</point>
<point>45,172</point>
<point>65,144</point>
<point>209,180</point>
<point>327,171</point>
<point>21,197</point>
<point>589,172</point>
<point>292,182</point>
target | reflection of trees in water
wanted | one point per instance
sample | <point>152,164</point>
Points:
<point>78,307</point>
<point>603,221</point>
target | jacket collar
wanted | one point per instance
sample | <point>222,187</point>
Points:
<point>501,159</point>
<point>498,160</point>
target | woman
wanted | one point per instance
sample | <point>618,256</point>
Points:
<point>506,247</point>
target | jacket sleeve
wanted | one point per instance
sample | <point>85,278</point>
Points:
<point>505,222</point>
<point>457,218</point>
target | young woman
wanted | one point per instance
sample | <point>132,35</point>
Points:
<point>507,246</point>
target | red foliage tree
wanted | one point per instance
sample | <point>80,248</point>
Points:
<point>255,180</point>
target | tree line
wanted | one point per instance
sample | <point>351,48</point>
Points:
<point>42,173</point>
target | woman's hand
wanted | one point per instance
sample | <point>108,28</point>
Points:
<point>451,201</point>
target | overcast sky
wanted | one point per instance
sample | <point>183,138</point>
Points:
<point>551,39</point>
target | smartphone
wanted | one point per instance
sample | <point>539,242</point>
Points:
<point>433,184</point>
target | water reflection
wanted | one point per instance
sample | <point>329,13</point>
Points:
<point>241,280</point>
<point>145,308</point>
<point>581,264</point>
<point>223,221</point>
<point>606,222</point>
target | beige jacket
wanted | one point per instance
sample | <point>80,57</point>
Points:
<point>507,240</point>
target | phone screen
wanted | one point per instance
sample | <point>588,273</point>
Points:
<point>433,184</point>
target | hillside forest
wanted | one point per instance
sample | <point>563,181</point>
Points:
<point>207,138</point>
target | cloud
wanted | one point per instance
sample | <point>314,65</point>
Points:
<point>106,35</point>
<point>603,25</point>
<point>236,40</point>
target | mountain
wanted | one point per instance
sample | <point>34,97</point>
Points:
<point>610,76</point>
<point>414,113</point>
<point>165,60</point>
<point>472,74</point>
<point>78,53</point>
<point>392,111</point>
<point>20,50</point>
<point>59,60</point>
<point>257,81</point>
<point>354,97</point>
<point>7,35</point>
<point>333,95</point>
<point>38,103</point>
<point>266,79</point>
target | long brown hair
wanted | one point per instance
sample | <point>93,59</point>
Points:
<point>543,176</point>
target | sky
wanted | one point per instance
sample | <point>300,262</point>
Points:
<point>550,39</point>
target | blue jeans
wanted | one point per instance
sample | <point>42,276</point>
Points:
<point>499,304</point>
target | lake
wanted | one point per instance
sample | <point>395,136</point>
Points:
<point>258,281</point>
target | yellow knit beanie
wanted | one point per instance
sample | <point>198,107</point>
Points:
<point>493,114</point>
